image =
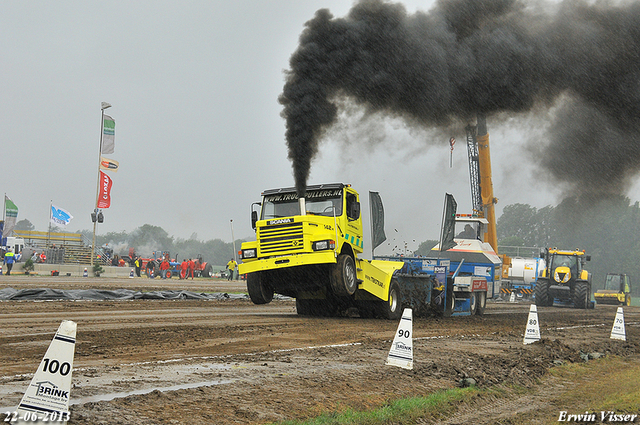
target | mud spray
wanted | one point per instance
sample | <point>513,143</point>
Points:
<point>495,57</point>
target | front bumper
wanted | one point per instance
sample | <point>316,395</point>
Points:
<point>285,261</point>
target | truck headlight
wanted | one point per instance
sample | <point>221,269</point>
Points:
<point>248,253</point>
<point>323,245</point>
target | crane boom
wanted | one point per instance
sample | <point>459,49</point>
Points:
<point>482,198</point>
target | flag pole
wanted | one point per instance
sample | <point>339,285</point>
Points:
<point>235,254</point>
<point>103,106</point>
<point>49,235</point>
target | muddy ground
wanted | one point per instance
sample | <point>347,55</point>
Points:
<point>231,362</point>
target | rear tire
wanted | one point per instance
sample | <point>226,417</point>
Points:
<point>392,308</point>
<point>581,294</point>
<point>542,293</point>
<point>206,272</point>
<point>481,303</point>
<point>473,301</point>
<point>343,277</point>
<point>450,299</point>
<point>259,290</point>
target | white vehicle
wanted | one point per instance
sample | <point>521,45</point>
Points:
<point>14,244</point>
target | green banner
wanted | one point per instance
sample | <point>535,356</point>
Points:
<point>11,214</point>
<point>11,210</point>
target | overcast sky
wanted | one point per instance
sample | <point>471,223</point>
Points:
<point>193,87</point>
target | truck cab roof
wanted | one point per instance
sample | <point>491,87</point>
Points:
<point>328,186</point>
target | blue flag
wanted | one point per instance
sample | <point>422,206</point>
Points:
<point>60,217</point>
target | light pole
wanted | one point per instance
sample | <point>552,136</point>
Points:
<point>233,240</point>
<point>96,215</point>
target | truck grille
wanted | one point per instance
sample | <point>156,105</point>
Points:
<point>281,238</point>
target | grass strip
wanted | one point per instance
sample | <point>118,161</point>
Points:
<point>399,411</point>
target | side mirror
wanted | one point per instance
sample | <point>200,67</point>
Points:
<point>588,258</point>
<point>254,219</point>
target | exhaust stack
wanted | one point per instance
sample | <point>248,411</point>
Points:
<point>303,207</point>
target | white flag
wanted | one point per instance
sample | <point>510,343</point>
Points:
<point>60,217</point>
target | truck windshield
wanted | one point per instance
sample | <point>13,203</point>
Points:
<point>564,261</point>
<point>613,282</point>
<point>318,202</point>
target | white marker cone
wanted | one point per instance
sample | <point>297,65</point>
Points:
<point>512,298</point>
<point>532,333</point>
<point>617,332</point>
<point>85,273</point>
<point>48,392</point>
<point>401,353</point>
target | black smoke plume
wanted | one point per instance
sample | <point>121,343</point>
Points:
<point>492,57</point>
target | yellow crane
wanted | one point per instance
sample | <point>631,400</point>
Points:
<point>483,201</point>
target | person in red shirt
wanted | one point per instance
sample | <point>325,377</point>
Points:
<point>164,266</point>
<point>192,266</point>
<point>183,269</point>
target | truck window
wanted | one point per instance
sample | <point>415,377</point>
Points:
<point>468,232</point>
<point>612,283</point>
<point>565,261</point>
<point>353,207</point>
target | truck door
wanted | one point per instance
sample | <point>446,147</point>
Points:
<point>354,219</point>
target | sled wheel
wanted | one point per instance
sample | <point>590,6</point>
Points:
<point>392,308</point>
<point>481,303</point>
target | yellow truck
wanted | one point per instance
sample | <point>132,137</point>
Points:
<point>564,279</point>
<point>617,290</point>
<point>308,248</point>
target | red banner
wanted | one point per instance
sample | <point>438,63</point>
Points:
<point>104,200</point>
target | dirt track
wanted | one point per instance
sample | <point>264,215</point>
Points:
<point>203,362</point>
